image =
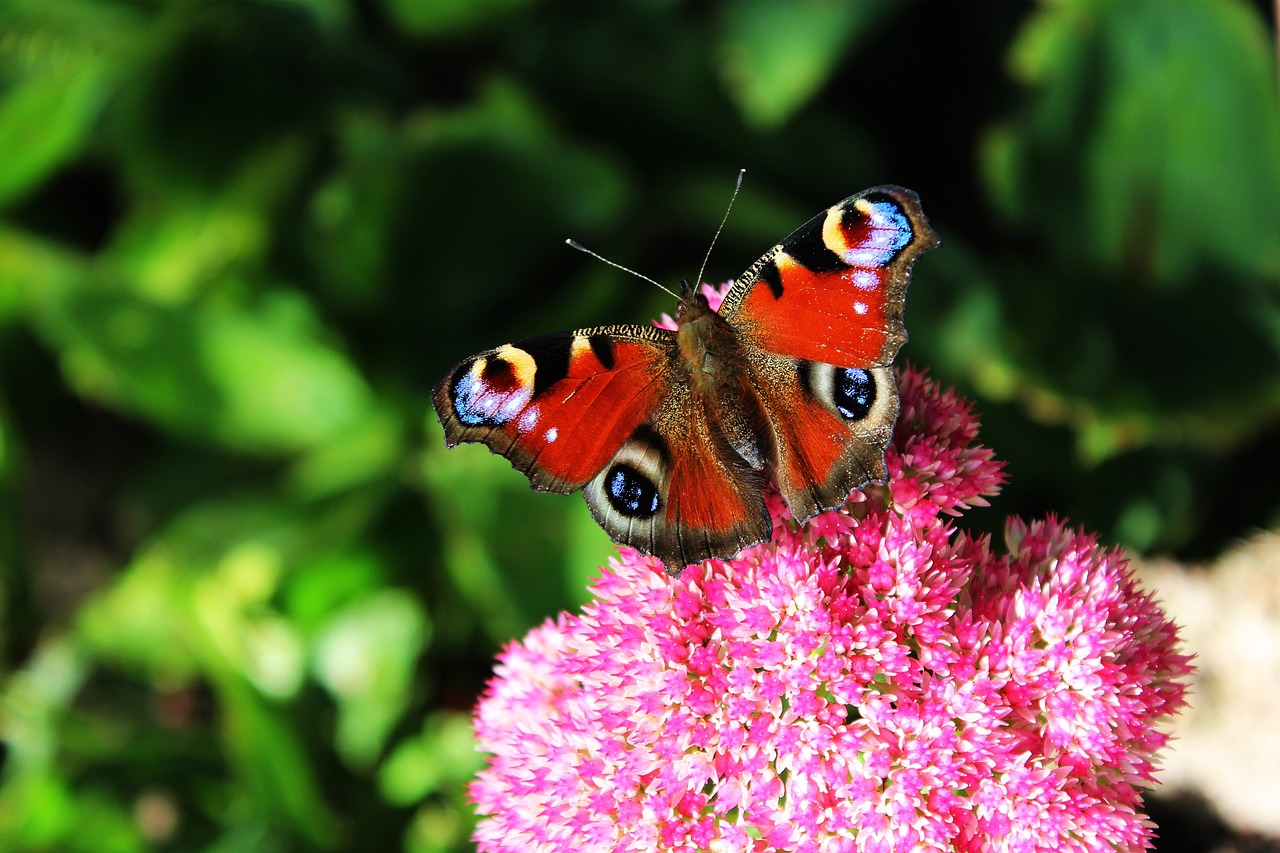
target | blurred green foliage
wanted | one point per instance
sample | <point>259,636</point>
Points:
<point>247,599</point>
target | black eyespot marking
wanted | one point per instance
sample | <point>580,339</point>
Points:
<point>498,374</point>
<point>772,277</point>
<point>878,229</point>
<point>853,392</point>
<point>807,248</point>
<point>630,493</point>
<point>550,359</point>
<point>602,348</point>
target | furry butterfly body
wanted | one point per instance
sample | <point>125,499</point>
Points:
<point>673,435</point>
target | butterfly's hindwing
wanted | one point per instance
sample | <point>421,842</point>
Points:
<point>677,491</point>
<point>829,427</point>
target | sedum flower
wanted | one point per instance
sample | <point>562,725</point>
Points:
<point>873,679</point>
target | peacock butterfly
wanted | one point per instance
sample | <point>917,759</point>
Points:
<point>673,435</point>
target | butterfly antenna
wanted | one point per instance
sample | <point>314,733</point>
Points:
<point>732,199</point>
<point>582,248</point>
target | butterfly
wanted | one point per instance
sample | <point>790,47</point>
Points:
<point>672,436</point>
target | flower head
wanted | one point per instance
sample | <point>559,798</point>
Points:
<point>871,680</point>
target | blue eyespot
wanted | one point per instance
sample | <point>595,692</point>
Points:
<point>630,493</point>
<point>854,392</point>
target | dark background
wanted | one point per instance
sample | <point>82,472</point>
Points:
<point>247,598</point>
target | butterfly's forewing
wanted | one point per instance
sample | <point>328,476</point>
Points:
<point>558,407</point>
<point>607,410</point>
<point>832,291</point>
<point>821,318</point>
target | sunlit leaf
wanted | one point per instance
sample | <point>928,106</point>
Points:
<point>328,582</point>
<point>253,380</point>
<point>443,752</point>
<point>44,812</point>
<point>366,453</point>
<point>45,121</point>
<point>1152,138</point>
<point>366,657</point>
<point>185,242</point>
<point>61,63</point>
<point>776,56</point>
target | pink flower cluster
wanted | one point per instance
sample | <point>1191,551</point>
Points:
<point>871,680</point>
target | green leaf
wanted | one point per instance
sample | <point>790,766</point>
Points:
<point>45,812</point>
<point>366,453</point>
<point>256,380</point>
<point>264,744</point>
<point>1144,166</point>
<point>199,605</point>
<point>432,770</point>
<point>40,807</point>
<point>61,63</point>
<point>184,241</point>
<point>448,17</point>
<point>501,541</point>
<point>381,239</point>
<point>366,657</point>
<point>775,57</point>
<point>324,584</point>
<point>8,452</point>
<point>45,122</point>
<point>1151,140</point>
<point>443,752</point>
<point>184,604</point>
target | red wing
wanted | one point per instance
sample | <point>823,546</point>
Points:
<point>675,490</point>
<point>559,407</point>
<point>829,426</point>
<point>833,290</point>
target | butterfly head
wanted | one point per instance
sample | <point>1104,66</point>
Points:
<point>697,325</point>
<point>692,302</point>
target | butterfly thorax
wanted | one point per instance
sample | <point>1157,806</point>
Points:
<point>711,356</point>
<point>708,345</point>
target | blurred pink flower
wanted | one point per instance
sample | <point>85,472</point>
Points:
<point>870,680</point>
